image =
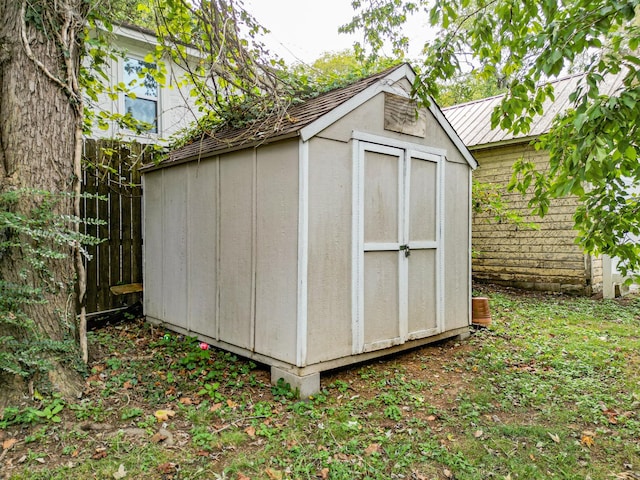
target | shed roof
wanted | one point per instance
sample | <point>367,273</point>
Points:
<point>306,119</point>
<point>472,120</point>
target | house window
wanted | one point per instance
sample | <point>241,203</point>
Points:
<point>143,104</point>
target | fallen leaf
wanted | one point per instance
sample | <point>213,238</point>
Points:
<point>626,475</point>
<point>251,431</point>
<point>242,476</point>
<point>587,441</point>
<point>185,401</point>
<point>291,444</point>
<point>612,416</point>
<point>8,443</point>
<point>121,473</point>
<point>164,415</point>
<point>215,406</point>
<point>100,452</point>
<point>431,418</point>
<point>373,448</point>
<point>478,433</point>
<point>554,437</point>
<point>447,473</point>
<point>127,385</point>
<point>273,474</point>
<point>167,468</point>
<point>40,460</point>
<point>158,437</point>
<point>170,391</point>
<point>324,473</point>
<point>231,404</point>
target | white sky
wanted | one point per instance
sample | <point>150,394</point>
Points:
<point>304,29</point>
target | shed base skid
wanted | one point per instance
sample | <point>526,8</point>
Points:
<point>305,386</point>
<point>307,379</point>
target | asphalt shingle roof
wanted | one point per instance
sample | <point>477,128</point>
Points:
<point>294,119</point>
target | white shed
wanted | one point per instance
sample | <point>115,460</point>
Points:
<point>343,236</point>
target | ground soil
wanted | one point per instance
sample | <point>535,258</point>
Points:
<point>434,364</point>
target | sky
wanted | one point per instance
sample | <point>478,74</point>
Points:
<point>301,30</point>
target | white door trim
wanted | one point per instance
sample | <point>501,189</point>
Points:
<point>438,244</point>
<point>359,245</point>
<point>405,152</point>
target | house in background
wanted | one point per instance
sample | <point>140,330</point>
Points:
<point>545,259</point>
<point>167,109</point>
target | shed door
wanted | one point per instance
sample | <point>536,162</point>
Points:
<point>396,209</point>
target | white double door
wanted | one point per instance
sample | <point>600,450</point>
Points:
<point>397,258</point>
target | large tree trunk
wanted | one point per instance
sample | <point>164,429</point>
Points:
<point>39,119</point>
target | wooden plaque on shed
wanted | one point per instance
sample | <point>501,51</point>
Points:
<point>400,116</point>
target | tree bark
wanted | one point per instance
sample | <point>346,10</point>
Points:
<point>40,111</point>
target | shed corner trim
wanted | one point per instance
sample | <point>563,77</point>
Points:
<point>303,253</point>
<point>453,135</point>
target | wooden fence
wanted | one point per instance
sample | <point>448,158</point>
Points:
<point>111,171</point>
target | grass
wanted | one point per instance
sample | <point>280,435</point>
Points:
<point>550,391</point>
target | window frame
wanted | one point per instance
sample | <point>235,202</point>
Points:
<point>126,79</point>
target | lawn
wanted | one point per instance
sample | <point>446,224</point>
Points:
<point>550,390</point>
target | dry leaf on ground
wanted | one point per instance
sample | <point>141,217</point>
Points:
<point>158,437</point>
<point>121,473</point>
<point>8,443</point>
<point>273,474</point>
<point>587,440</point>
<point>164,415</point>
<point>373,448</point>
<point>100,452</point>
<point>167,468</point>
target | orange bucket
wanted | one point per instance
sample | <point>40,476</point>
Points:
<point>481,315</point>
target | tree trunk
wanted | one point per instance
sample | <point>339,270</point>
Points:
<point>39,115</point>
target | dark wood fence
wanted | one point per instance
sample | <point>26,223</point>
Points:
<point>111,171</point>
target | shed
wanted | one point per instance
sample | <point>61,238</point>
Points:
<point>341,235</point>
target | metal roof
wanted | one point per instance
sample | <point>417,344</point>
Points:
<point>472,120</point>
